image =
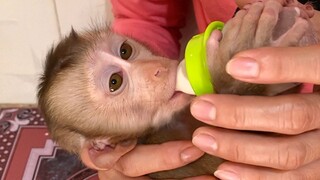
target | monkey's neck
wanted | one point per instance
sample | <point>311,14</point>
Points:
<point>181,127</point>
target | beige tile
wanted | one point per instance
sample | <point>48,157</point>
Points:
<point>18,88</point>
<point>82,14</point>
<point>27,29</point>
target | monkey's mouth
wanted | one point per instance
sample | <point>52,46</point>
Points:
<point>176,94</point>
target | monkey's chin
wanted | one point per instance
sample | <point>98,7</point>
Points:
<point>171,107</point>
<point>180,100</point>
<point>176,94</point>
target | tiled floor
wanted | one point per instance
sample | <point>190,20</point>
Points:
<point>27,30</point>
<point>27,151</point>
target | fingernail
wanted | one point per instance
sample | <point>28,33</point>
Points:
<point>191,154</point>
<point>205,142</point>
<point>203,110</point>
<point>243,68</point>
<point>226,175</point>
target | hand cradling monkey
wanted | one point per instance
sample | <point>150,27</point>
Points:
<point>101,92</point>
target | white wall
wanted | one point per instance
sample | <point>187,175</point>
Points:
<point>27,30</point>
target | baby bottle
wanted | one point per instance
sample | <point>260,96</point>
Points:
<point>193,76</point>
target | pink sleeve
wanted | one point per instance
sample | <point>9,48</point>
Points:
<point>155,23</point>
<point>207,11</point>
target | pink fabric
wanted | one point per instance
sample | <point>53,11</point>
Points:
<point>307,88</point>
<point>207,11</point>
<point>156,23</point>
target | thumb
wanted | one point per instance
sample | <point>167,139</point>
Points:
<point>277,65</point>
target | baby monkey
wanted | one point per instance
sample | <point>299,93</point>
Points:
<point>101,92</point>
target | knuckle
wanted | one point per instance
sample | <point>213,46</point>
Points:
<point>296,117</point>
<point>275,67</point>
<point>238,155</point>
<point>239,117</point>
<point>291,156</point>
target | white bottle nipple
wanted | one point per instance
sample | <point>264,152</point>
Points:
<point>182,82</point>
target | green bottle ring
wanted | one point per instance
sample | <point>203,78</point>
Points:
<point>196,61</point>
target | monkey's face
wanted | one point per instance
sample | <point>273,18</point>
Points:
<point>132,87</point>
<point>102,85</point>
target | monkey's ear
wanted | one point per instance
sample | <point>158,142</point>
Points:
<point>100,155</point>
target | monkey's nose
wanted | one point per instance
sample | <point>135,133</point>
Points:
<point>160,71</point>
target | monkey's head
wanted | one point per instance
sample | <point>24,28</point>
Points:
<point>100,89</point>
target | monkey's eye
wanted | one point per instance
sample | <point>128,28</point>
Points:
<point>125,51</point>
<point>115,82</point>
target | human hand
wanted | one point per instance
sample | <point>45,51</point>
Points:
<point>146,159</point>
<point>287,144</point>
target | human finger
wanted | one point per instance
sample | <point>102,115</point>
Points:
<point>277,65</point>
<point>284,114</point>
<point>266,150</point>
<point>146,159</point>
<point>230,170</point>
